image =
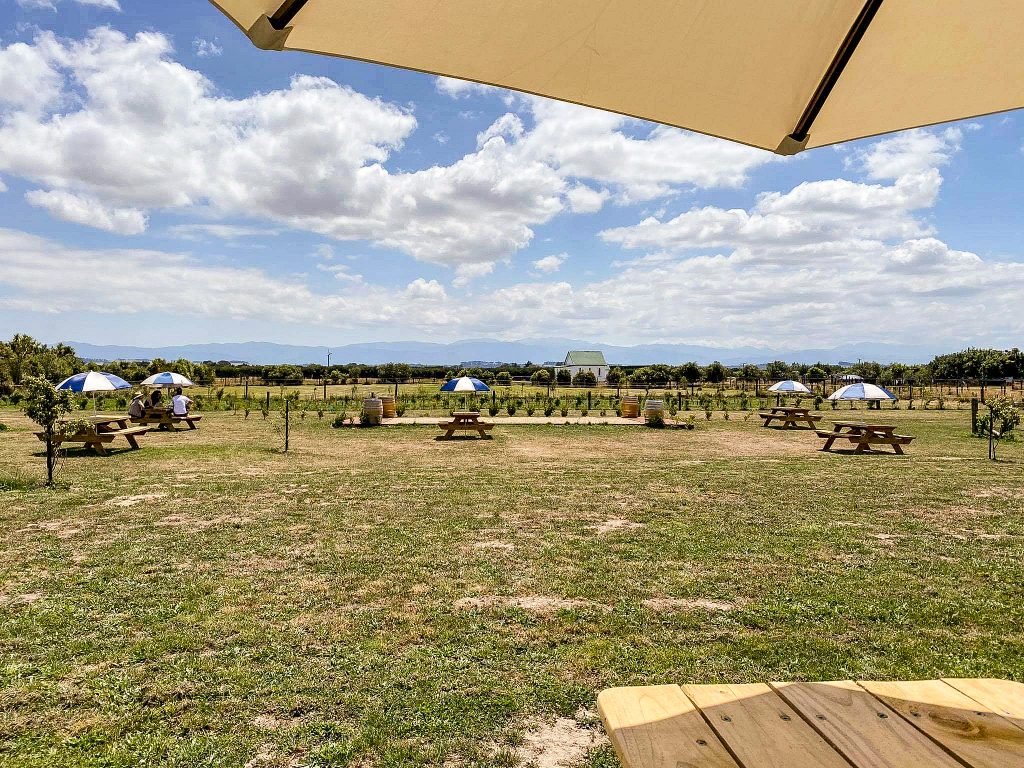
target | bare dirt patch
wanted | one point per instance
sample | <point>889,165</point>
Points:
<point>540,604</point>
<point>131,501</point>
<point>199,523</point>
<point>62,529</point>
<point>270,722</point>
<point>562,743</point>
<point>671,604</point>
<point>616,524</point>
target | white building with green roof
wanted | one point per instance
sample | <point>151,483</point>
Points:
<point>584,360</point>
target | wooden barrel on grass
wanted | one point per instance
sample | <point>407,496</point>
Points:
<point>630,406</point>
<point>388,404</point>
<point>654,408</point>
<point>373,410</point>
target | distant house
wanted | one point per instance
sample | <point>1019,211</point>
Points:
<point>584,360</point>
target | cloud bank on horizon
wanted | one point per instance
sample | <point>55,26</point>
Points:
<point>206,200</point>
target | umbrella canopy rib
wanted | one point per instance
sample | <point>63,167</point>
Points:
<point>283,16</point>
<point>798,138</point>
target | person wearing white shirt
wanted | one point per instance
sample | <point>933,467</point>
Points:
<point>181,403</point>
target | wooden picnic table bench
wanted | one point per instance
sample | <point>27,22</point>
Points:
<point>790,415</point>
<point>947,723</point>
<point>165,418</point>
<point>864,436</point>
<point>465,421</point>
<point>104,430</point>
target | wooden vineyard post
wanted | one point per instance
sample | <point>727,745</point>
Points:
<point>286,415</point>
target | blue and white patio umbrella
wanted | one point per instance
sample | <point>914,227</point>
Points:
<point>862,391</point>
<point>465,384</point>
<point>167,379</point>
<point>789,386</point>
<point>93,382</point>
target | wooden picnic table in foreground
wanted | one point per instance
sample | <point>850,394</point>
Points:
<point>164,418</point>
<point>948,723</point>
<point>790,415</point>
<point>865,435</point>
<point>465,421</point>
<point>104,429</point>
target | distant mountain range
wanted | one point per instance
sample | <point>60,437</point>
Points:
<point>534,350</point>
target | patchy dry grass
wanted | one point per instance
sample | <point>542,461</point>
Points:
<point>378,598</point>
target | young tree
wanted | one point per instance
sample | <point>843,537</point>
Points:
<point>615,377</point>
<point>504,378</point>
<point>563,376</point>
<point>46,406</point>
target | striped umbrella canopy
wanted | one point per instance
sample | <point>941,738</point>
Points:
<point>862,391</point>
<point>167,379</point>
<point>789,386</point>
<point>93,381</point>
<point>775,74</point>
<point>465,384</point>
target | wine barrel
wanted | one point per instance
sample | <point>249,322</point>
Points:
<point>654,408</point>
<point>373,410</point>
<point>630,406</point>
<point>388,404</point>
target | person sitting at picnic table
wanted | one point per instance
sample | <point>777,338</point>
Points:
<point>154,398</point>
<point>181,402</point>
<point>137,407</point>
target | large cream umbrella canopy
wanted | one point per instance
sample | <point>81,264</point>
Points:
<point>775,74</point>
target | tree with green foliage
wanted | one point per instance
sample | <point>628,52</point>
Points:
<point>778,370</point>
<point>563,376</point>
<point>716,373</point>
<point>751,372</point>
<point>46,406</point>
<point>585,379</point>
<point>503,378</point>
<point>541,377</point>
<point>394,372</point>
<point>615,377</point>
<point>691,372</point>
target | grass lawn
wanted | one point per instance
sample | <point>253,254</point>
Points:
<point>378,598</point>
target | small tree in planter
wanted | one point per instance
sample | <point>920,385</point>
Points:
<point>46,406</point>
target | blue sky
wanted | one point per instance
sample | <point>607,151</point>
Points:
<point>163,181</point>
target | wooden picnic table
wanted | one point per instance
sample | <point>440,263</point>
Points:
<point>164,418</point>
<point>465,421</point>
<point>948,723</point>
<point>790,415</point>
<point>104,429</point>
<point>865,435</point>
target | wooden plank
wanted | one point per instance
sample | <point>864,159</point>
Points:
<point>760,729</point>
<point>863,729</point>
<point>657,726</point>
<point>1004,697</point>
<point>962,725</point>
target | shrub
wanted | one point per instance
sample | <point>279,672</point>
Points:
<point>1003,413</point>
<point>549,409</point>
<point>584,411</point>
<point>530,410</point>
<point>3,427</point>
<point>339,420</point>
<point>400,409</point>
<point>585,379</point>
<point>655,420</point>
<point>492,410</point>
<point>511,409</point>
<point>319,413</point>
<point>565,411</point>
<point>707,413</point>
